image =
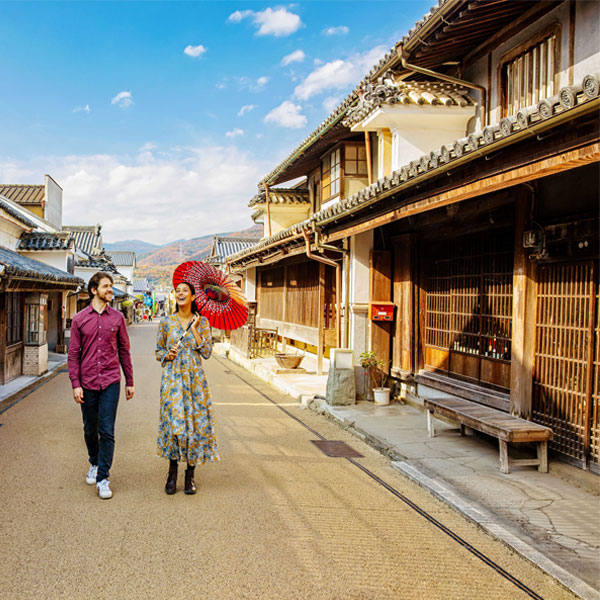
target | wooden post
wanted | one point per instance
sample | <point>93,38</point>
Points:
<point>403,299</point>
<point>268,210</point>
<point>380,289</point>
<point>523,317</point>
<point>284,311</point>
<point>321,321</point>
<point>368,152</point>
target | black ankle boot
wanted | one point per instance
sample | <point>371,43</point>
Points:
<point>171,485</point>
<point>190,486</point>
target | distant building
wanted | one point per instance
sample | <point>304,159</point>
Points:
<point>33,294</point>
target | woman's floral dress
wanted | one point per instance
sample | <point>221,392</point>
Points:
<point>185,431</point>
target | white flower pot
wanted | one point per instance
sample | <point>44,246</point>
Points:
<point>381,396</point>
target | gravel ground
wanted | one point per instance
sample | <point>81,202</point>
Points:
<point>275,518</point>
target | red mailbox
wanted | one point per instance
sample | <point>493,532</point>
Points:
<point>381,311</point>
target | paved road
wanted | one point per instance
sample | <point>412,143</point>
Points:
<point>275,518</point>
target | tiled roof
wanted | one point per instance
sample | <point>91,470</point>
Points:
<point>424,49</point>
<point>122,258</point>
<point>281,196</point>
<point>226,246</point>
<point>87,237</point>
<point>23,194</point>
<point>12,263</point>
<point>7,207</point>
<point>100,261</point>
<point>140,285</point>
<point>119,293</point>
<point>46,241</point>
<point>543,114</point>
<point>388,91</point>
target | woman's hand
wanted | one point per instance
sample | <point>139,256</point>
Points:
<point>196,322</point>
<point>172,353</point>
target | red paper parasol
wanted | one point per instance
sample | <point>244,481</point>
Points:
<point>218,298</point>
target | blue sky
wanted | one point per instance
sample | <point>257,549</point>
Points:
<point>148,111</point>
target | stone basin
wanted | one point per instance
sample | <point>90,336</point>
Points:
<point>289,361</point>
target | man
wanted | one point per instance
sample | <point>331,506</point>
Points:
<point>99,347</point>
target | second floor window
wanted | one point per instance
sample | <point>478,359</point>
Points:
<point>528,73</point>
<point>330,175</point>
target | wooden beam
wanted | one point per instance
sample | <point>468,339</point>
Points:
<point>403,298</point>
<point>536,170</point>
<point>321,320</point>
<point>380,289</point>
<point>523,321</point>
<point>368,152</point>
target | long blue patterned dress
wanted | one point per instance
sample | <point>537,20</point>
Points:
<point>185,431</point>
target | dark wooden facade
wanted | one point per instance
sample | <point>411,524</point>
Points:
<point>501,294</point>
<point>298,298</point>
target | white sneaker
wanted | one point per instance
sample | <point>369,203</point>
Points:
<point>103,489</point>
<point>90,478</point>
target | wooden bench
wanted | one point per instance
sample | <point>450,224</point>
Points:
<point>496,423</point>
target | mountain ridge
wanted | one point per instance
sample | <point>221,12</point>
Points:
<point>157,264</point>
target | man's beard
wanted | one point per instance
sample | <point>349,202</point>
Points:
<point>104,297</point>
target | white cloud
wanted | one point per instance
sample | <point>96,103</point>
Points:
<point>339,30</point>
<point>287,114</point>
<point>338,74</point>
<point>317,62</point>
<point>246,109</point>
<point>85,108</point>
<point>296,56</point>
<point>278,22</point>
<point>148,147</point>
<point>123,99</point>
<point>195,51</point>
<point>238,15</point>
<point>261,82</point>
<point>234,132</point>
<point>331,102</point>
<point>149,198</point>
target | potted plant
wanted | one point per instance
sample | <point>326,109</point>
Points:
<point>376,378</point>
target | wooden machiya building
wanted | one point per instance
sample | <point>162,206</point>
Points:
<point>478,220</point>
<point>25,288</point>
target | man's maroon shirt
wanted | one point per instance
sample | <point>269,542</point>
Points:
<point>99,344</point>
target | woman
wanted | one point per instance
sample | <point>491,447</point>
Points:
<point>185,429</point>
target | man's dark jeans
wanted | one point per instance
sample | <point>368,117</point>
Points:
<point>99,411</point>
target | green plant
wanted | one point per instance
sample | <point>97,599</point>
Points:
<point>373,367</point>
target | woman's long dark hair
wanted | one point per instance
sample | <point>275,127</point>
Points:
<point>194,305</point>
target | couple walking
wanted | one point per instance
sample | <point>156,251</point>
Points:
<point>99,348</point>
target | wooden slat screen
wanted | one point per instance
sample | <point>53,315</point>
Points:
<point>270,294</point>
<point>330,291</point>
<point>595,425</point>
<point>563,336</point>
<point>469,297</point>
<point>303,294</point>
<point>529,77</point>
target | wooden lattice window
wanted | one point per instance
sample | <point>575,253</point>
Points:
<point>529,72</point>
<point>564,375</point>
<point>355,160</point>
<point>14,318</point>
<point>469,297</point>
<point>331,175</point>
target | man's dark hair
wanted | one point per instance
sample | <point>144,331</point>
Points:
<point>95,280</point>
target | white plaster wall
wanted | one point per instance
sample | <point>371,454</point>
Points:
<point>54,202</point>
<point>55,259</point>
<point>250,285</point>
<point>360,248</point>
<point>9,234</point>
<point>587,34</point>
